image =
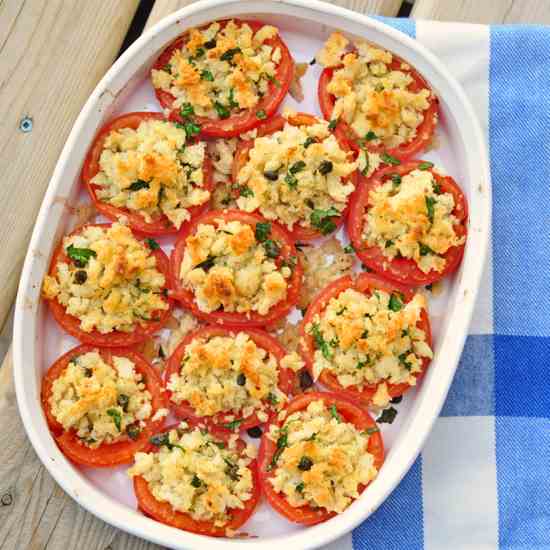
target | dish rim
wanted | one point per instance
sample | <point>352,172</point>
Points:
<point>424,412</point>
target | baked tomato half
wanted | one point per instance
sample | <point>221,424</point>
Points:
<point>271,448</point>
<point>115,338</point>
<point>202,70</point>
<point>217,443</point>
<point>243,262</point>
<point>159,224</point>
<point>325,222</point>
<point>356,335</point>
<point>135,438</point>
<point>401,269</point>
<point>406,150</point>
<point>245,363</point>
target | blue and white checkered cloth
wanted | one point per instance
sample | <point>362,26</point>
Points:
<point>483,478</point>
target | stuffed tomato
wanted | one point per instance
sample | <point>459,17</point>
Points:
<point>102,405</point>
<point>297,172</point>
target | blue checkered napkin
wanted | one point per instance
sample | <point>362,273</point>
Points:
<point>483,479</point>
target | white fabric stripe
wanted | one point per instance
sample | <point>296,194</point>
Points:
<point>459,485</point>
<point>343,543</point>
<point>465,49</point>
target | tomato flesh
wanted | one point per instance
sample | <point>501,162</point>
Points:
<point>107,454</point>
<point>364,283</point>
<point>234,319</point>
<point>116,338</point>
<point>163,511</point>
<point>247,119</point>
<point>404,270</point>
<point>277,123</point>
<point>261,339</point>
<point>159,226</point>
<point>350,412</point>
<point>407,150</point>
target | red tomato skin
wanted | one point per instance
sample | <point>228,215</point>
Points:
<point>163,511</point>
<point>106,455</point>
<point>404,270</point>
<point>158,227</point>
<point>114,339</point>
<point>363,283</point>
<point>404,151</point>
<point>231,319</point>
<point>352,412</point>
<point>261,338</point>
<point>247,120</point>
<point>299,233</point>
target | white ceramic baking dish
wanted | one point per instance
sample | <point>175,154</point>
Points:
<point>38,341</point>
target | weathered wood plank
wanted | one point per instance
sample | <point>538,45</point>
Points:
<point>488,11</point>
<point>51,56</point>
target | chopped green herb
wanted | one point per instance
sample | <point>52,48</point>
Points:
<point>222,110</point>
<point>379,87</point>
<point>282,443</point>
<point>152,244</point>
<point>207,75</point>
<point>272,398</point>
<point>199,52</point>
<point>187,110</point>
<point>232,470</point>
<point>261,114</point>
<point>334,413</point>
<point>425,250</point>
<point>207,264</point>
<point>138,184</point>
<point>300,487</point>
<point>191,129</point>
<point>321,219</point>
<point>425,165</point>
<point>272,249</point>
<point>396,180</point>
<point>231,98</point>
<point>365,170</point>
<point>297,167</point>
<point>305,464</point>
<point>370,431</point>
<point>320,342</point>
<point>371,136</point>
<point>233,425</point>
<point>308,142</point>
<point>430,202</point>
<point>245,191</point>
<point>116,416</point>
<point>167,68</point>
<point>332,124</point>
<point>273,80</point>
<point>349,249</point>
<point>291,180</point>
<point>437,188</point>
<point>389,243</point>
<point>262,232</point>
<point>387,416</point>
<point>133,431</point>
<point>325,167</point>
<point>395,303</point>
<point>361,364</point>
<point>80,256</point>
<point>404,362</point>
<point>388,159</point>
<point>228,55</point>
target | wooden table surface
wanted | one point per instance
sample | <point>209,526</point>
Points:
<point>52,54</point>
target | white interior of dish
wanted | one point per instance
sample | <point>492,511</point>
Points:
<point>38,341</point>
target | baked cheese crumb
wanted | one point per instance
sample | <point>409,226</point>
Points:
<point>102,403</point>
<point>324,459</point>
<point>151,171</point>
<point>110,283</point>
<point>411,217</point>
<point>363,340</point>
<point>226,374</point>
<point>297,174</point>
<point>197,475</point>
<point>225,266</point>
<point>220,71</point>
<point>372,95</point>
